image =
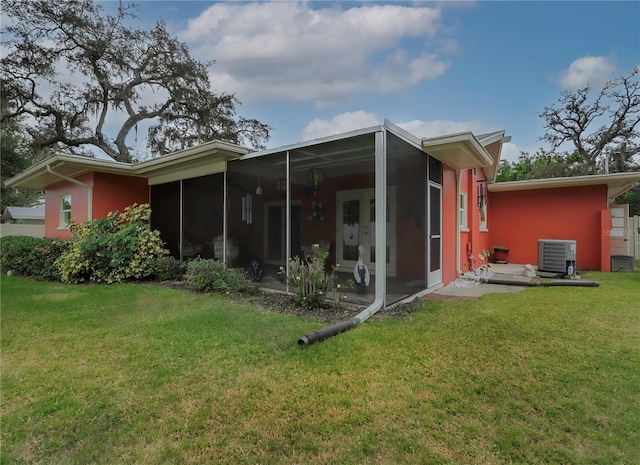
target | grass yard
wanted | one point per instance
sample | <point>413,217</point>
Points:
<point>143,374</point>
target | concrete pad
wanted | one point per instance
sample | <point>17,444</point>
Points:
<point>476,291</point>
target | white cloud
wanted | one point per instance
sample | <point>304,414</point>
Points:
<point>339,124</point>
<point>290,51</point>
<point>591,70</point>
<point>511,152</point>
<point>442,127</point>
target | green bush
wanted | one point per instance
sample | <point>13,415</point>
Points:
<point>32,256</point>
<point>119,247</point>
<point>309,280</point>
<point>213,276</point>
<point>167,269</point>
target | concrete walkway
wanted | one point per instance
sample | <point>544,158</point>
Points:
<point>473,292</point>
<point>466,287</point>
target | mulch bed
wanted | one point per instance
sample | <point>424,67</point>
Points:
<point>283,303</point>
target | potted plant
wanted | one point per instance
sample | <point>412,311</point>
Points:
<point>500,253</point>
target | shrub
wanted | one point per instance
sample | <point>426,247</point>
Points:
<point>309,280</point>
<point>32,256</point>
<point>119,247</point>
<point>212,276</point>
<point>167,269</point>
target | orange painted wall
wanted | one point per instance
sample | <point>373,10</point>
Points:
<point>449,227</point>
<point>53,199</point>
<point>518,219</point>
<point>110,192</point>
<point>474,240</point>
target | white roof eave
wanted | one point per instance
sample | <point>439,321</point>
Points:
<point>460,151</point>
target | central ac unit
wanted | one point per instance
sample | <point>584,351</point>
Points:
<point>558,256</point>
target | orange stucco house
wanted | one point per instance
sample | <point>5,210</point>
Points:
<point>415,211</point>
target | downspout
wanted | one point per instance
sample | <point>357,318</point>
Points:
<point>381,251</point>
<point>80,183</point>
<point>458,185</point>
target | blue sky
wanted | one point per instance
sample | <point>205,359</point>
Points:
<point>318,68</point>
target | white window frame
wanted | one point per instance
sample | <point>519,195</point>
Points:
<point>463,213</point>
<point>65,214</point>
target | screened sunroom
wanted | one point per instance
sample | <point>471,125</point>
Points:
<point>370,197</point>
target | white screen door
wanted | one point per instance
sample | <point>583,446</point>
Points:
<point>434,237</point>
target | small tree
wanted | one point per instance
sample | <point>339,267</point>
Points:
<point>541,165</point>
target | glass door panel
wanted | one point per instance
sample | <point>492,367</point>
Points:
<point>357,226</point>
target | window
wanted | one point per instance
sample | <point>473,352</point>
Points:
<point>65,211</point>
<point>463,212</point>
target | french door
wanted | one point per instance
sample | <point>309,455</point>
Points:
<point>356,225</point>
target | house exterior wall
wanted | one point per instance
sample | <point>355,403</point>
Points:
<point>110,192</point>
<point>79,205</point>
<point>519,218</point>
<point>475,238</point>
<point>449,224</point>
<point>113,192</point>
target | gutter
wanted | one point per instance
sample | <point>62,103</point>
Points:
<point>381,253</point>
<point>80,183</point>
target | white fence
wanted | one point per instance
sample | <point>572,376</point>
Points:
<point>33,230</point>
<point>634,239</point>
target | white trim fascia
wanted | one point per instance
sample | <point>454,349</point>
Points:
<point>59,159</point>
<point>623,181</point>
<point>213,148</point>
<point>403,134</point>
<point>492,137</point>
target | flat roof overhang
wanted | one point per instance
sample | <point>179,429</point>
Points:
<point>459,151</point>
<point>73,166</point>
<point>617,183</point>
<point>201,160</point>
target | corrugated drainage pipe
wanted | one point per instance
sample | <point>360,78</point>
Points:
<point>329,331</point>
<point>568,283</point>
<point>334,330</point>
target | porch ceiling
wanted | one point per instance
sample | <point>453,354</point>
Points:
<point>459,151</point>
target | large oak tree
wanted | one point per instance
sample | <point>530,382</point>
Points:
<point>71,71</point>
<point>602,124</point>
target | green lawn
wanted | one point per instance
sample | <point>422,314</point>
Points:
<point>141,374</point>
